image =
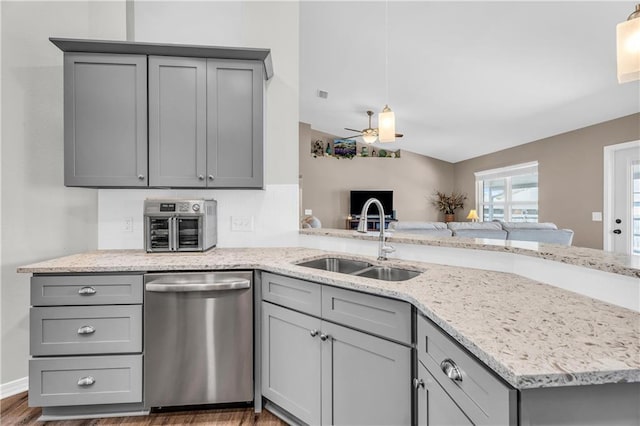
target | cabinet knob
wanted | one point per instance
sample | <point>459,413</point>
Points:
<point>86,329</point>
<point>141,177</point>
<point>87,291</point>
<point>313,333</point>
<point>200,177</point>
<point>210,177</point>
<point>452,371</point>
<point>324,337</point>
<point>418,383</point>
<point>86,381</point>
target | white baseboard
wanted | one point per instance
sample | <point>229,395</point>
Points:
<point>14,387</point>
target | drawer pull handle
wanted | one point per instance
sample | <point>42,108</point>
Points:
<point>87,291</point>
<point>86,381</point>
<point>452,371</point>
<point>86,329</point>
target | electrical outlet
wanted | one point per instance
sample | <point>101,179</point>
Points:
<point>127,224</point>
<point>242,223</point>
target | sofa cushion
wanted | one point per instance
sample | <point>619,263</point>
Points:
<point>492,234</point>
<point>527,225</point>
<point>549,236</point>
<point>401,226</point>
<point>484,226</point>
<point>433,229</point>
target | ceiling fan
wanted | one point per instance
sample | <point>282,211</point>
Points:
<point>370,134</point>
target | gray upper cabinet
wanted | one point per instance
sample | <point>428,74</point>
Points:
<point>234,124</point>
<point>177,121</point>
<point>105,113</point>
<point>205,115</point>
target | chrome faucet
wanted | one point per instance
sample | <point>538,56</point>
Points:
<point>383,249</point>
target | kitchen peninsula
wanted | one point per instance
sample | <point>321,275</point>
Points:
<point>553,346</point>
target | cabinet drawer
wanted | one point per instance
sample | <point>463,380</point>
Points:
<point>484,398</point>
<point>77,330</point>
<point>85,380</point>
<point>374,314</point>
<point>292,293</point>
<point>86,290</point>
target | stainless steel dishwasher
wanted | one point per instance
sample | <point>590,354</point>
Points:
<point>198,338</point>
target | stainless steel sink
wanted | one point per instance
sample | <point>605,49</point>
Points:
<point>386,273</point>
<point>360,268</point>
<point>336,264</point>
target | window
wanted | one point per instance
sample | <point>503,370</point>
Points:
<point>508,194</point>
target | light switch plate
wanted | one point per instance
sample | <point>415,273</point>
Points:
<point>242,223</point>
<point>596,216</point>
<point>308,212</point>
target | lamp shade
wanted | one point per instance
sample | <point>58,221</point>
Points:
<point>628,42</point>
<point>473,215</point>
<point>387,125</point>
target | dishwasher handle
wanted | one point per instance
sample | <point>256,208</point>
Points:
<point>191,287</point>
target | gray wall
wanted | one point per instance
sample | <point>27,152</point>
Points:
<point>326,181</point>
<point>570,167</point>
<point>41,218</point>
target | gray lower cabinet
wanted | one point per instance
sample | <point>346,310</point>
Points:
<point>291,361</point>
<point>105,120</point>
<point>477,393</point>
<point>205,123</point>
<point>86,343</point>
<point>435,406</point>
<point>327,373</point>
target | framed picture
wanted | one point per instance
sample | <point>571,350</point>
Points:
<point>344,148</point>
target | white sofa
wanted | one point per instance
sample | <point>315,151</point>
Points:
<point>520,231</point>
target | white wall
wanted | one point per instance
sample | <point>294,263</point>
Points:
<point>272,25</point>
<point>41,218</point>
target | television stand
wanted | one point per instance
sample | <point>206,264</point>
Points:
<point>373,223</point>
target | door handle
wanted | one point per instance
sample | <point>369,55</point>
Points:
<point>184,288</point>
<point>617,231</point>
<point>86,329</point>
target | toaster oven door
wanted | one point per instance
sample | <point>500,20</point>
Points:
<point>188,233</point>
<point>158,231</point>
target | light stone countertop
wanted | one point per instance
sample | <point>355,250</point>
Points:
<point>531,334</point>
<point>579,256</point>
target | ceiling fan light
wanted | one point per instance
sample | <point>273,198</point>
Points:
<point>628,48</point>
<point>387,125</point>
<point>369,138</point>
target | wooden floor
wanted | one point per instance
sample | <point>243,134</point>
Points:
<point>14,410</point>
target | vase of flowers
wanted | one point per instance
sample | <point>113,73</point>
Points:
<point>448,204</point>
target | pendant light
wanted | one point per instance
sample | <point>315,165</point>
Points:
<point>628,35</point>
<point>386,119</point>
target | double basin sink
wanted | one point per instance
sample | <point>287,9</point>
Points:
<point>360,269</point>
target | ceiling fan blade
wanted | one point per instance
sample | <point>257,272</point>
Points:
<point>353,130</point>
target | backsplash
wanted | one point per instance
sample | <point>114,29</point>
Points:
<point>246,218</point>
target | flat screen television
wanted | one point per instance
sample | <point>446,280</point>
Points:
<point>358,198</point>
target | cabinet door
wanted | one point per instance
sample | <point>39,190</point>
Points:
<point>234,124</point>
<point>105,120</point>
<point>291,361</point>
<point>365,380</point>
<point>177,121</point>
<point>435,406</point>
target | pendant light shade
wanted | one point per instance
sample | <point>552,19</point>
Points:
<point>628,35</point>
<point>387,125</point>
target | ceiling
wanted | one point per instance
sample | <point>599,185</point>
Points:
<point>465,78</point>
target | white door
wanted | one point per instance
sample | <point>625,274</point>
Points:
<point>625,218</point>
